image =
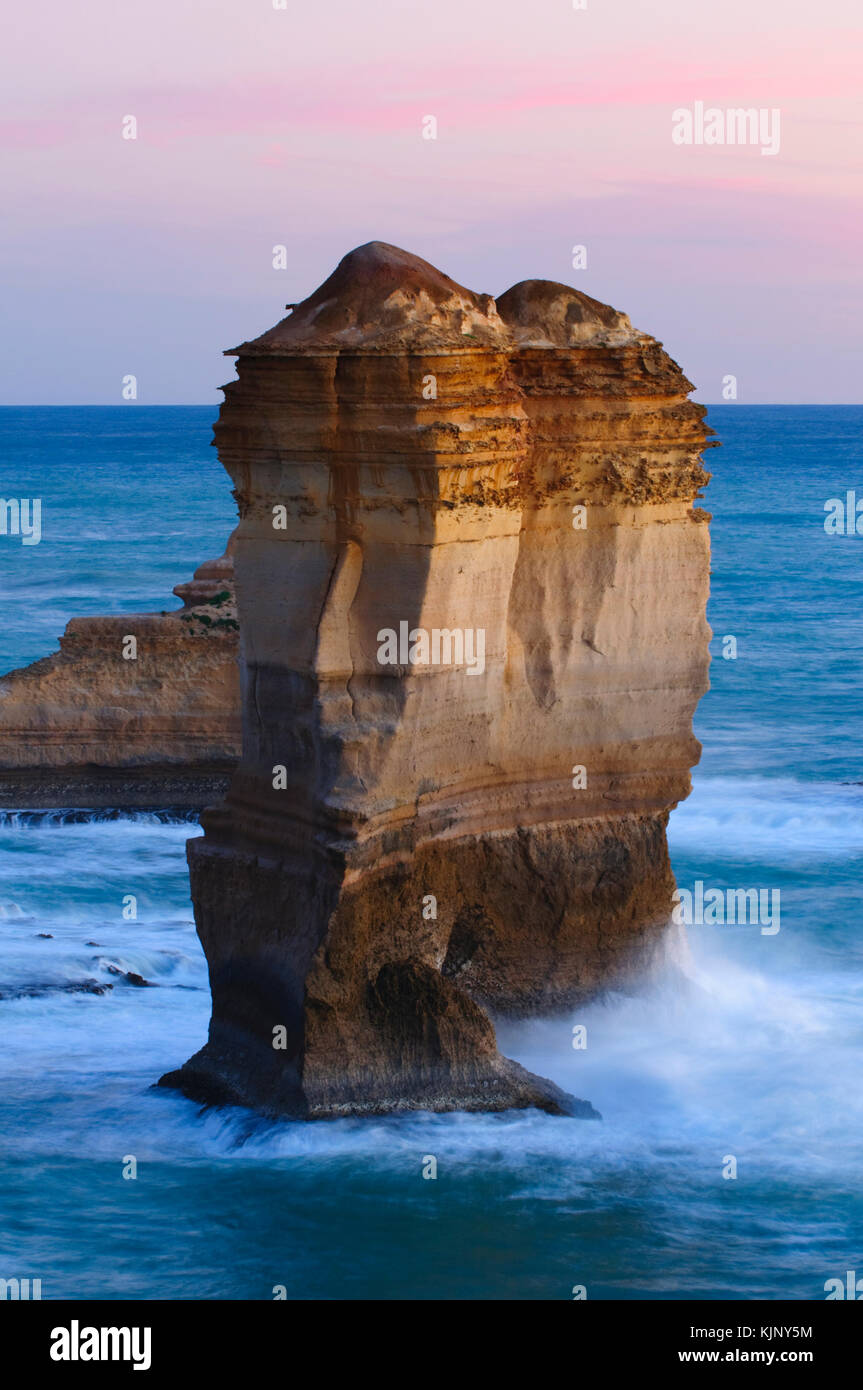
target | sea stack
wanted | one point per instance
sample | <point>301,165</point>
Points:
<point>95,726</point>
<point>471,587</point>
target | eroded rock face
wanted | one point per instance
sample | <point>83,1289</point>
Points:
<point>419,838</point>
<point>87,727</point>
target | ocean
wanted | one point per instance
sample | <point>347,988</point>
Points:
<point>750,1050</point>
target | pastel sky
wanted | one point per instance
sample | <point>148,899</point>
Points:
<point>302,127</point>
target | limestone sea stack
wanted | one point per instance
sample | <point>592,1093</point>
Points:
<point>471,585</point>
<point>95,726</point>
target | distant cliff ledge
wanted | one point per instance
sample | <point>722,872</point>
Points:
<point>92,727</point>
<point>471,585</point>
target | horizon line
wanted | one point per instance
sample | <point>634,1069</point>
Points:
<point>199,405</point>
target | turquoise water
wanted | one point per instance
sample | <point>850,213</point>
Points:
<point>133,499</point>
<point>752,1047</point>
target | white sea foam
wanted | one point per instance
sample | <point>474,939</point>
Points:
<point>776,819</point>
<point>747,1056</point>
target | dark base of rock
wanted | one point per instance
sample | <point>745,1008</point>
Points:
<point>247,1080</point>
<point>340,990</point>
<point>155,786</point>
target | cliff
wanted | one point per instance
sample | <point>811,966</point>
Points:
<point>90,726</point>
<point>471,585</point>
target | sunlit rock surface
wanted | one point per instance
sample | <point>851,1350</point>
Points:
<point>412,847</point>
<point>90,727</point>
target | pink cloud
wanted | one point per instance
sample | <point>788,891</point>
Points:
<point>32,135</point>
<point>467,95</point>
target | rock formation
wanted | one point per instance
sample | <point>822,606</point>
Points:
<point>471,585</point>
<point>89,727</point>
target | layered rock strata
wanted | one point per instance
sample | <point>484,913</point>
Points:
<point>424,835</point>
<point>94,726</point>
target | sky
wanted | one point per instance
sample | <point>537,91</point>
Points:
<point>303,127</point>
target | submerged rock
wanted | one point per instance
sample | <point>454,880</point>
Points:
<point>471,585</point>
<point>39,991</point>
<point>131,977</point>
